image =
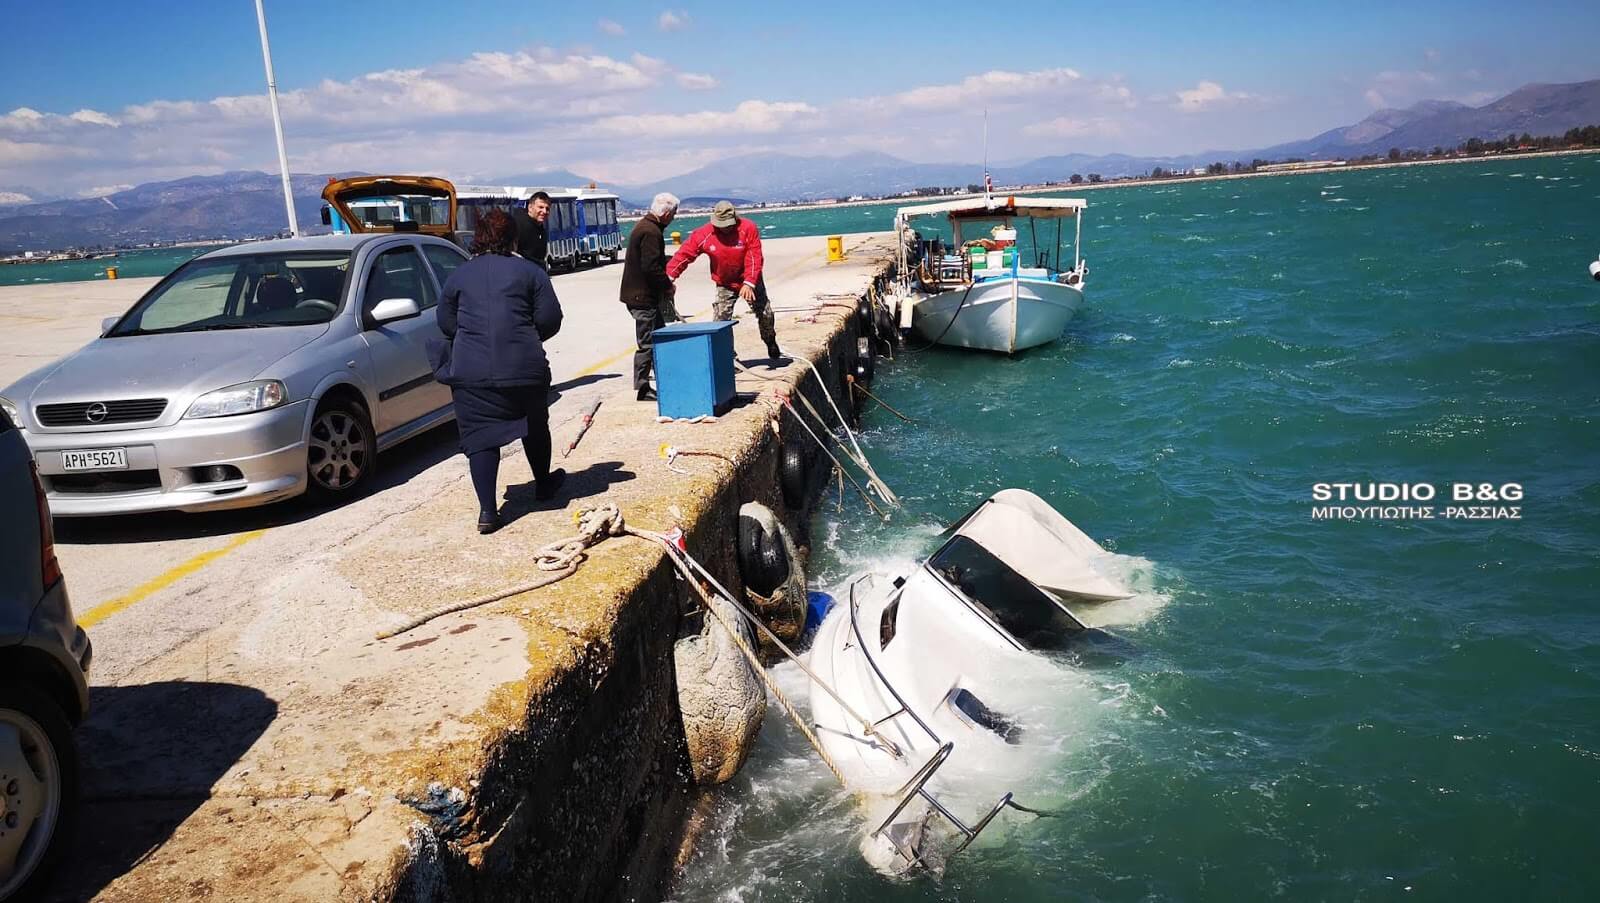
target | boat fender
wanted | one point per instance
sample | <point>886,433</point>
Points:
<point>792,474</point>
<point>866,362</point>
<point>864,319</point>
<point>887,334</point>
<point>763,561</point>
<point>818,605</point>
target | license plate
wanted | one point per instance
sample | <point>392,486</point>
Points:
<point>95,459</point>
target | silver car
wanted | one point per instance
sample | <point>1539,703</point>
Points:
<point>251,374</point>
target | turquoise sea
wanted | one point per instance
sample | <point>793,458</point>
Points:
<point>1291,707</point>
<point>129,264</point>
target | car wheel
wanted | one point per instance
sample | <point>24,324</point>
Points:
<point>38,788</point>
<point>342,451</point>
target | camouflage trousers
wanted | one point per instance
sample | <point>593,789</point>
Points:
<point>761,306</point>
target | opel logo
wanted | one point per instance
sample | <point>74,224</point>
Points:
<point>96,412</point>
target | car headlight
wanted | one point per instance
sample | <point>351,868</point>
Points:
<point>245,398</point>
<point>12,412</point>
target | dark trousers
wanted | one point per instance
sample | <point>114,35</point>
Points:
<point>645,323</point>
<point>485,464</point>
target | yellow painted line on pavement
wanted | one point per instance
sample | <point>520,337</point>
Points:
<point>100,612</point>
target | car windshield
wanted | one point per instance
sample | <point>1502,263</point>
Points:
<point>243,291</point>
<point>1024,610</point>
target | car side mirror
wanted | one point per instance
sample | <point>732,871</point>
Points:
<point>107,323</point>
<point>391,309</point>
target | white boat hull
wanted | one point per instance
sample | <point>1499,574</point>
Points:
<point>1004,315</point>
<point>923,663</point>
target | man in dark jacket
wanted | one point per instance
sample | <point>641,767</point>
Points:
<point>646,289</point>
<point>533,237</point>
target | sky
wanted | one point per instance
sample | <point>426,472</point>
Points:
<point>97,96</point>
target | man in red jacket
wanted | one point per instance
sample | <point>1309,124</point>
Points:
<point>734,245</point>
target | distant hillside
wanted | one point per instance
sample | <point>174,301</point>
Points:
<point>242,204</point>
<point>1532,109</point>
<point>231,205</point>
<point>549,178</point>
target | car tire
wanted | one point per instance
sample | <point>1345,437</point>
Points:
<point>342,450</point>
<point>36,747</point>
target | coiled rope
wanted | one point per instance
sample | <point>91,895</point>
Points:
<point>559,559</point>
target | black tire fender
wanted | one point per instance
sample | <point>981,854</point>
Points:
<point>864,319</point>
<point>792,475</point>
<point>866,362</point>
<point>763,563</point>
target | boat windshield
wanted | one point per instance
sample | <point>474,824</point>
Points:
<point>242,291</point>
<point>1022,609</point>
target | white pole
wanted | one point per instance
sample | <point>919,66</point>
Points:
<point>277,120</point>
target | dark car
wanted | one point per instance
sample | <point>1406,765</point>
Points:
<point>44,690</point>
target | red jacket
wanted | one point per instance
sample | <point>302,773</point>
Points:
<point>732,265</point>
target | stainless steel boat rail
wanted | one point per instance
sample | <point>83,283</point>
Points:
<point>917,785</point>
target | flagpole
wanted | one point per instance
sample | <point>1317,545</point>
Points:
<point>985,153</point>
<point>277,120</point>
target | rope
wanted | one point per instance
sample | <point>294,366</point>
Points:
<point>837,464</point>
<point>685,561</point>
<point>947,326</point>
<point>559,559</point>
<point>750,656</point>
<point>880,401</point>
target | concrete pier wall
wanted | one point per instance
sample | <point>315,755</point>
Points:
<point>250,738</point>
<point>585,800</point>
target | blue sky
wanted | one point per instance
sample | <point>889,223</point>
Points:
<point>633,92</point>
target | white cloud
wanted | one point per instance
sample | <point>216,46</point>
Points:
<point>611,27</point>
<point>749,117</point>
<point>672,20</point>
<point>94,117</point>
<point>694,81</point>
<point>1208,95</point>
<point>1431,55</point>
<point>1401,88</point>
<point>1067,127</point>
<point>101,191</point>
<point>11,198</point>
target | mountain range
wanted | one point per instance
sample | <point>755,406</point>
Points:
<point>246,204</point>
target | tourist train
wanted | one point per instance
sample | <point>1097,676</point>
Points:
<point>583,224</point>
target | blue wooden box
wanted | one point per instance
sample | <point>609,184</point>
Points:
<point>694,368</point>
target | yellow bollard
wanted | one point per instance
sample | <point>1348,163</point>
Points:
<point>677,238</point>
<point>835,248</point>
<point>111,272</point>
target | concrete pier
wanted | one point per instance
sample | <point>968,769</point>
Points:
<point>251,739</point>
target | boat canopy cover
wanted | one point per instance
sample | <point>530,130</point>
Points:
<point>1031,537</point>
<point>989,208</point>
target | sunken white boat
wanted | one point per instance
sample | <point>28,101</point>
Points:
<point>910,668</point>
<point>978,291</point>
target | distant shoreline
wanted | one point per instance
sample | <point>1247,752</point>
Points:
<point>1129,183</point>
<point>1052,189</point>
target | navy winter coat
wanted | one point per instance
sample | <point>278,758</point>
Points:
<point>497,313</point>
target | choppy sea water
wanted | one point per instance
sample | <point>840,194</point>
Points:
<point>1291,707</point>
<point>129,264</point>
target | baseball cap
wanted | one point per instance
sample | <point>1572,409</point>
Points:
<point>723,215</point>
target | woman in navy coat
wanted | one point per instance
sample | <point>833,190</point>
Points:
<point>496,313</point>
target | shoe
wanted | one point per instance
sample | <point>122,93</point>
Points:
<point>544,490</point>
<point>646,394</point>
<point>772,351</point>
<point>488,521</point>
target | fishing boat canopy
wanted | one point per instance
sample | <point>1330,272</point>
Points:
<point>990,208</point>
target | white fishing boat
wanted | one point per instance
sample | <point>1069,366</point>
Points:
<point>911,671</point>
<point>978,291</point>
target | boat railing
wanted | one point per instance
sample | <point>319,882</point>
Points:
<point>917,786</point>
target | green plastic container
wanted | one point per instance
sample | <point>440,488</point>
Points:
<point>979,257</point>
